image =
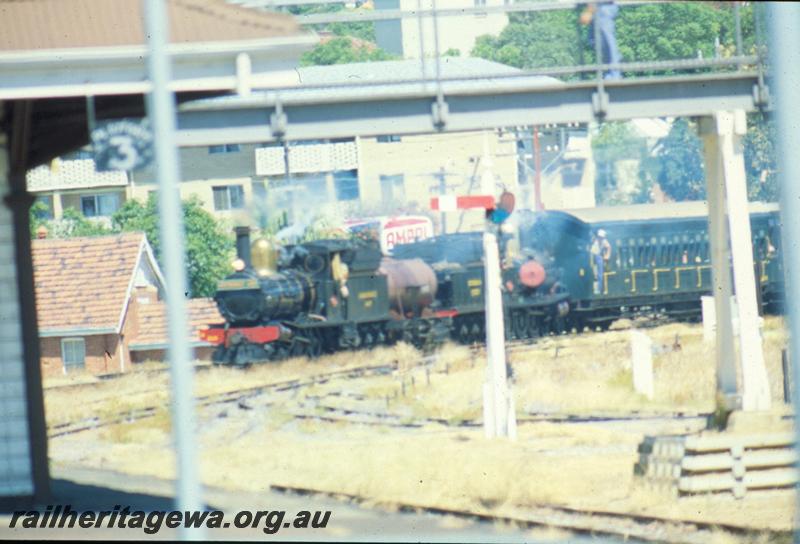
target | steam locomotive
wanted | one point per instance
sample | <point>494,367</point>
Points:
<point>660,259</point>
<point>327,295</point>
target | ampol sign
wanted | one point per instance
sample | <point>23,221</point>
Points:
<point>391,231</point>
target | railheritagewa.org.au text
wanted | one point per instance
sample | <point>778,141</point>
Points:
<point>64,517</point>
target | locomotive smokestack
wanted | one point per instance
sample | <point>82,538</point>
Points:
<point>243,244</point>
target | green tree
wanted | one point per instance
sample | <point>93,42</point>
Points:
<point>209,250</point>
<point>649,32</point>
<point>342,50</point>
<point>363,30</point>
<point>669,30</point>
<point>38,216</point>
<point>680,163</point>
<point>73,224</point>
<point>759,159</point>
<point>534,40</point>
<point>615,141</point>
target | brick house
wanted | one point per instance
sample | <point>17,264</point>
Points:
<point>88,295</point>
<point>152,341</point>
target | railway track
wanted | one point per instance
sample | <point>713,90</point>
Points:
<point>322,412</point>
<point>227,397</point>
<point>629,527</point>
<point>476,348</point>
<point>105,378</point>
<point>314,409</point>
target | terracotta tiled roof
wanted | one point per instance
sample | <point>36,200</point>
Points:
<point>82,283</point>
<point>61,24</point>
<point>153,322</point>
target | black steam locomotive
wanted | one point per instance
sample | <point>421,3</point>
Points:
<point>660,259</point>
<point>328,295</point>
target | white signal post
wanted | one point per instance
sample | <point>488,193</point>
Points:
<point>499,418</point>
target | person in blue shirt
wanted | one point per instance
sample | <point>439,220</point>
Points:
<point>603,15</point>
<point>601,254</point>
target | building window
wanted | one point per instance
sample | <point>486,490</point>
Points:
<point>388,139</point>
<point>392,189</point>
<point>228,197</point>
<point>73,353</point>
<point>102,205</point>
<point>227,148</point>
<point>346,184</point>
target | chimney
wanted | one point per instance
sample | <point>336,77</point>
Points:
<point>243,244</point>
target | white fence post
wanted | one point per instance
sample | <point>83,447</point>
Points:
<point>642,364</point>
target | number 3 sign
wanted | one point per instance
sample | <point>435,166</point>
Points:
<point>126,144</point>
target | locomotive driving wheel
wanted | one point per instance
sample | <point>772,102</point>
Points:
<point>519,325</point>
<point>314,348</point>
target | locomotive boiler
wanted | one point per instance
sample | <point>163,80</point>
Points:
<point>534,300</point>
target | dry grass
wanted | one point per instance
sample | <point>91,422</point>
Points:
<point>142,389</point>
<point>589,373</point>
<point>576,465</point>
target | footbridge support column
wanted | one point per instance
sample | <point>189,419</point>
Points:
<point>731,243</point>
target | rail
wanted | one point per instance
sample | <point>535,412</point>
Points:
<point>591,522</point>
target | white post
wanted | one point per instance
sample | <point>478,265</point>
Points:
<point>709,318</point>
<point>720,265</point>
<point>642,364</point>
<point>499,417</point>
<point>58,210</point>
<point>731,126</point>
<point>161,109</point>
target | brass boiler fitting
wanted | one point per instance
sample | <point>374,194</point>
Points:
<point>264,256</point>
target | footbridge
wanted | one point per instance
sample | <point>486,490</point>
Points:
<point>459,104</point>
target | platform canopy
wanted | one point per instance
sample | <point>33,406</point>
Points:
<point>55,53</point>
<point>64,65</point>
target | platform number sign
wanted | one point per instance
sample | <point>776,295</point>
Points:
<point>125,144</point>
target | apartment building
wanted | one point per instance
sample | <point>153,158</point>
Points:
<point>411,37</point>
<point>75,183</point>
<point>343,178</point>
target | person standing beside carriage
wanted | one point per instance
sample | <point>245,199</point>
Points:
<point>601,254</point>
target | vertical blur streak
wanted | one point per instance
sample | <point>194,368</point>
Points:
<point>161,109</point>
<point>737,20</point>
<point>784,31</point>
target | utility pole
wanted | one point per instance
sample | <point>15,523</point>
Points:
<point>784,51</point>
<point>161,109</point>
<point>499,419</point>
<point>537,166</point>
<point>442,192</point>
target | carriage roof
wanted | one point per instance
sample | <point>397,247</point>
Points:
<point>645,212</point>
